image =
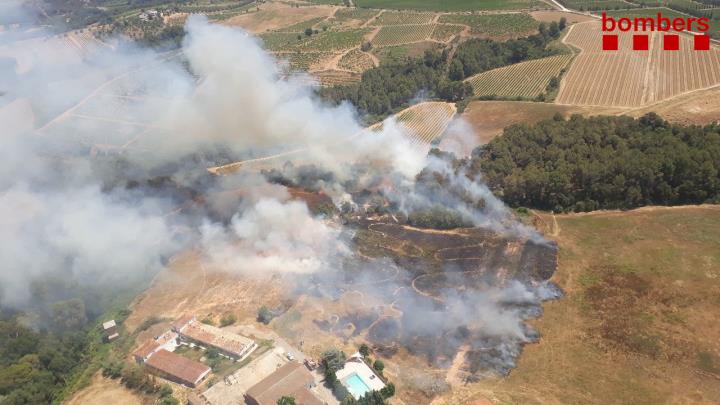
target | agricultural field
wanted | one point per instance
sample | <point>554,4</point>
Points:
<point>303,25</point>
<point>453,5</point>
<point>402,34</point>
<point>635,325</point>
<point>487,119</point>
<point>356,61</point>
<point>494,25</point>
<point>273,16</point>
<point>426,122</point>
<point>323,41</point>
<point>525,80</point>
<point>446,32</point>
<point>354,16</point>
<point>304,61</point>
<point>391,54</point>
<point>633,78</point>
<point>399,18</point>
<point>597,5</point>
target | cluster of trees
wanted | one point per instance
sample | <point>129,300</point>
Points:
<point>35,366</point>
<point>479,55</point>
<point>134,377</point>
<point>438,218</point>
<point>265,315</point>
<point>386,89</point>
<point>585,164</point>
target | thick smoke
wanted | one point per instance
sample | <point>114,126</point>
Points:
<point>102,174</point>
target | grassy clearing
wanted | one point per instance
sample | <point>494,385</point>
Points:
<point>452,5</point>
<point>494,25</point>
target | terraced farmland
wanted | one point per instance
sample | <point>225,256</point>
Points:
<point>356,61</point>
<point>395,18</point>
<point>627,78</point>
<point>527,79</point>
<point>445,32</point>
<point>356,15</point>
<point>426,122</point>
<point>304,60</point>
<point>402,34</point>
<point>494,25</point>
<point>321,42</point>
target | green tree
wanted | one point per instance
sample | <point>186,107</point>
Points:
<point>227,320</point>
<point>286,401</point>
<point>379,366</point>
<point>364,350</point>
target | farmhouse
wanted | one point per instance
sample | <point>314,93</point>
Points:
<point>177,368</point>
<point>291,380</point>
<point>358,378</point>
<point>229,344</point>
<point>157,355</point>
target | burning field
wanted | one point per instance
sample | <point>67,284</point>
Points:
<point>363,236</point>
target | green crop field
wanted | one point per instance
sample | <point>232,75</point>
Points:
<point>402,34</point>
<point>525,80</point>
<point>494,24</point>
<point>453,5</point>
<point>358,14</point>
<point>444,33</point>
<point>322,41</point>
<point>597,5</point>
<point>303,25</point>
<point>396,18</point>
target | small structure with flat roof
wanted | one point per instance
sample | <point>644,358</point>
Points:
<point>109,329</point>
<point>290,380</point>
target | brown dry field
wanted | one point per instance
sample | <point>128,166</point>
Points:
<point>699,108</point>
<point>274,15</point>
<point>637,324</point>
<point>188,287</point>
<point>633,78</point>
<point>103,391</point>
<point>489,118</point>
<point>549,16</point>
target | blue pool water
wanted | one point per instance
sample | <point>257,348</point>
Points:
<point>356,386</point>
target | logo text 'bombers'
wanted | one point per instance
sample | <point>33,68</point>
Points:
<point>642,25</point>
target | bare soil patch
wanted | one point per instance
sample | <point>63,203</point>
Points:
<point>489,118</point>
<point>103,391</point>
<point>699,108</point>
<point>550,16</point>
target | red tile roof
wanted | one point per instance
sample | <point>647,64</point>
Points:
<point>187,371</point>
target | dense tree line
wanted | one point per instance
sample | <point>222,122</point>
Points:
<point>480,55</point>
<point>35,366</point>
<point>585,164</point>
<point>388,88</point>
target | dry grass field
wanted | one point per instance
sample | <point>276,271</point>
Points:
<point>633,78</point>
<point>487,120</point>
<point>699,108</point>
<point>526,79</point>
<point>636,325</point>
<point>103,391</point>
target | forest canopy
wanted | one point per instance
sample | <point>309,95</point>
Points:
<point>585,164</point>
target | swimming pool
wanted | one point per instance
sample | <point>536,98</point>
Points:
<point>356,386</point>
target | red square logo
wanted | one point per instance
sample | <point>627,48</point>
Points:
<point>702,42</point>
<point>641,42</point>
<point>671,42</point>
<point>610,43</point>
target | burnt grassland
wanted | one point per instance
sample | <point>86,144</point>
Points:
<point>636,325</point>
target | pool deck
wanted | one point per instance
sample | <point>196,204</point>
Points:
<point>354,365</point>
